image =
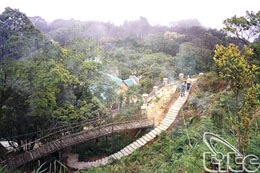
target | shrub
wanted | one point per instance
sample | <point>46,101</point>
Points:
<point>210,82</point>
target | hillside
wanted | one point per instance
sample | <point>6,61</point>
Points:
<point>180,149</point>
<point>83,87</point>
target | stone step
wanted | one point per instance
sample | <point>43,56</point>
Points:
<point>129,151</point>
<point>167,120</point>
<point>117,156</point>
<point>146,139</point>
<point>174,109</point>
<point>141,142</point>
<point>154,133</point>
<point>157,130</point>
<point>170,118</point>
<point>178,104</point>
<point>172,113</point>
<point>162,127</point>
<point>124,152</point>
<point>120,154</point>
<point>136,144</point>
<point>166,123</point>
<point>151,135</point>
<point>130,147</point>
<point>183,99</point>
<point>113,156</point>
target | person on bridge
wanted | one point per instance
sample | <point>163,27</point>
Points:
<point>188,83</point>
<point>183,86</point>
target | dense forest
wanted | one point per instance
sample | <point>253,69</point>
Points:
<point>55,74</point>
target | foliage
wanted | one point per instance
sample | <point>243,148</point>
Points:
<point>58,78</point>
<point>192,60</point>
<point>173,151</point>
<point>169,153</point>
<point>245,28</point>
<point>209,82</point>
<point>50,86</point>
<point>103,146</point>
<point>161,43</point>
<point>235,68</point>
<point>18,36</point>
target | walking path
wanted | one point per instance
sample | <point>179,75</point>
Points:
<point>168,120</point>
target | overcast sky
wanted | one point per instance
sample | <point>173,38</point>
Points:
<point>210,13</point>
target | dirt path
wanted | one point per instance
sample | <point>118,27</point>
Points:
<point>158,104</point>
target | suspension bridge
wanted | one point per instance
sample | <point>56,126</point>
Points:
<point>65,137</point>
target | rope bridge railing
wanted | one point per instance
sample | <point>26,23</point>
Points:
<point>132,122</point>
<point>52,134</point>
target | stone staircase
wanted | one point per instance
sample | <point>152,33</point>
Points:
<point>164,125</point>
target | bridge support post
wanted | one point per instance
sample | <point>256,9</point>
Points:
<point>181,75</point>
<point>155,89</point>
<point>165,81</point>
<point>143,109</point>
<point>145,98</point>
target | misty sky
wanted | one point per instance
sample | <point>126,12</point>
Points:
<point>210,13</point>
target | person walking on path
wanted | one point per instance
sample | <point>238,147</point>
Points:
<point>183,86</point>
<point>188,83</point>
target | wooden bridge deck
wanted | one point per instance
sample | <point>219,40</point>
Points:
<point>74,139</point>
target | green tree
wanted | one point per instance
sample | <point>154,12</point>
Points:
<point>234,66</point>
<point>244,28</point>
<point>18,36</point>
<point>191,60</point>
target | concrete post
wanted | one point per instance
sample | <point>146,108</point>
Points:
<point>181,75</point>
<point>165,81</point>
<point>145,98</point>
<point>155,89</point>
<point>143,108</point>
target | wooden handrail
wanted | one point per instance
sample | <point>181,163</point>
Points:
<point>76,138</point>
